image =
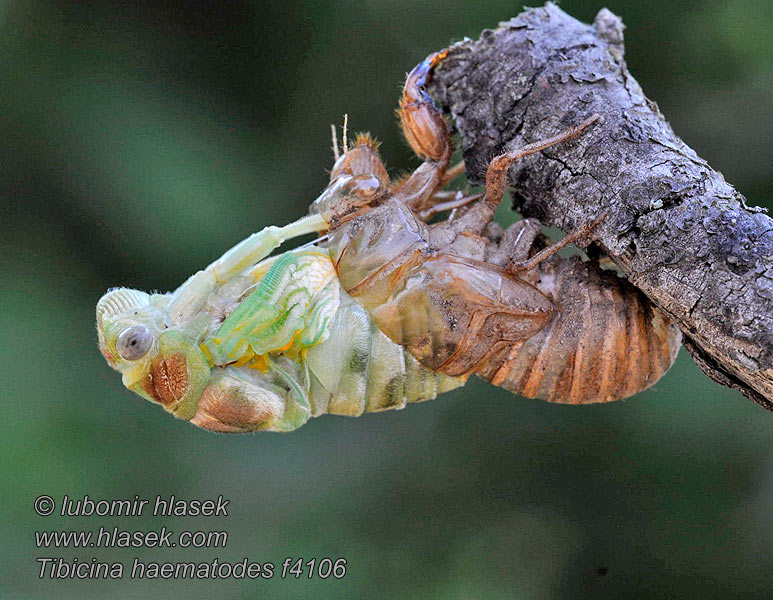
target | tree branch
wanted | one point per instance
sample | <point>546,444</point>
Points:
<point>676,228</point>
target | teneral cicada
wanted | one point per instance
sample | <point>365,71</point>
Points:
<point>387,309</point>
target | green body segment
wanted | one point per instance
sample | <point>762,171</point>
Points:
<point>267,319</point>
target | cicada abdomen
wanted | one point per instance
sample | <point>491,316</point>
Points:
<point>358,369</point>
<point>605,340</point>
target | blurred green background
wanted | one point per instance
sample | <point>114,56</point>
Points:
<point>139,140</point>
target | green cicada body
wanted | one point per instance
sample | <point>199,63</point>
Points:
<point>265,350</point>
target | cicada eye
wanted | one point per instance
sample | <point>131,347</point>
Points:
<point>134,342</point>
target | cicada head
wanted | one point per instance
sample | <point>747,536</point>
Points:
<point>158,359</point>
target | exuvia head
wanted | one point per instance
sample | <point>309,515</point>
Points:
<point>346,197</point>
<point>358,181</point>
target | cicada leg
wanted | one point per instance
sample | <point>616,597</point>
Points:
<point>261,244</point>
<point>480,214</point>
<point>447,201</point>
<point>452,173</point>
<point>519,264</point>
<point>423,125</point>
<point>428,134</point>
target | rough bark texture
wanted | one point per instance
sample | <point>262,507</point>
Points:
<point>676,228</point>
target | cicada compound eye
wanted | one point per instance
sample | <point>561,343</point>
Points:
<point>134,343</point>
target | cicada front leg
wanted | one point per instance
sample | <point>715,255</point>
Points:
<point>428,134</point>
<point>259,245</point>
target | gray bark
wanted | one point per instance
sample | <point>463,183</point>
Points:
<point>676,228</point>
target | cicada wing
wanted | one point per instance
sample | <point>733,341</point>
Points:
<point>265,320</point>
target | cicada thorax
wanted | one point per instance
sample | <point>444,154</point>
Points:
<point>565,331</point>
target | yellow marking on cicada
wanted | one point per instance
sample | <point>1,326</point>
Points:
<point>248,356</point>
<point>260,363</point>
<point>207,354</point>
<point>289,344</point>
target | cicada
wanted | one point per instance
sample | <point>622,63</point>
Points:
<point>388,307</point>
